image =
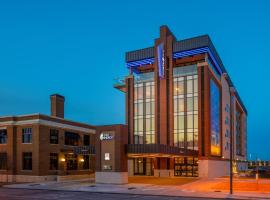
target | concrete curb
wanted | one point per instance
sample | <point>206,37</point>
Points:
<point>130,193</point>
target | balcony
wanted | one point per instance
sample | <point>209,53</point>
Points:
<point>120,84</point>
<point>84,150</point>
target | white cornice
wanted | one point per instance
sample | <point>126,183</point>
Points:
<point>48,123</point>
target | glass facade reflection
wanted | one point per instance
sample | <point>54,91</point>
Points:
<point>144,111</point>
<point>215,119</point>
<point>186,107</point>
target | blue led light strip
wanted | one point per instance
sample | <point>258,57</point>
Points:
<point>137,63</point>
<point>198,51</point>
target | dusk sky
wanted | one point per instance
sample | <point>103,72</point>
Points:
<point>77,48</point>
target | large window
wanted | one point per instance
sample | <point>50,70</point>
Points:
<point>54,136</point>
<point>3,161</point>
<point>215,118</point>
<point>27,135</point>
<point>185,107</point>
<point>53,161</point>
<point>144,112</point>
<point>3,136</point>
<point>27,161</point>
<point>72,139</point>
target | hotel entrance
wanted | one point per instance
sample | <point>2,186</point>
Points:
<point>143,167</point>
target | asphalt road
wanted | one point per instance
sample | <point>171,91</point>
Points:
<point>25,194</point>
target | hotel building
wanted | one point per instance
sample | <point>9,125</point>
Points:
<point>181,110</point>
<point>38,147</point>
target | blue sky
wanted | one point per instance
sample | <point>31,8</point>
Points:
<point>77,48</point>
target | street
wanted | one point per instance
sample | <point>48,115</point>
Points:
<point>25,194</point>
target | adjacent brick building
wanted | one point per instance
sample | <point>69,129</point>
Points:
<point>38,147</point>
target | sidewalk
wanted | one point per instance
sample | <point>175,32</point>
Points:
<point>186,190</point>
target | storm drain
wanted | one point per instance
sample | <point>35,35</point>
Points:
<point>131,188</point>
<point>91,186</point>
<point>34,184</point>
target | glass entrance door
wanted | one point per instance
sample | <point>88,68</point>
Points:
<point>139,166</point>
<point>143,166</point>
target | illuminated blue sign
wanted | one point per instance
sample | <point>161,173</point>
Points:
<point>161,60</point>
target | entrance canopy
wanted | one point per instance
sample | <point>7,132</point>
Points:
<point>157,150</point>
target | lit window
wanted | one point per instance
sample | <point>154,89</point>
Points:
<point>144,110</point>
<point>185,107</point>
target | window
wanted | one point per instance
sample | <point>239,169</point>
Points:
<point>238,132</point>
<point>227,108</point>
<point>27,135</point>
<point>27,161</point>
<point>54,136</point>
<point>3,161</point>
<point>215,118</point>
<point>3,136</point>
<point>227,134</point>
<point>144,111</point>
<point>227,146</point>
<point>53,161</point>
<point>86,140</point>
<point>185,98</point>
<point>72,139</point>
<point>227,120</point>
<point>86,162</point>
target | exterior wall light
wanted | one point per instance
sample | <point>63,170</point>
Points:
<point>82,160</point>
<point>63,160</point>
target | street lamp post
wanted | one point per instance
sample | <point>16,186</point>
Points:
<point>232,92</point>
<point>231,139</point>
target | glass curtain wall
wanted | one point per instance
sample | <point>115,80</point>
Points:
<point>144,110</point>
<point>186,107</point>
<point>215,119</point>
